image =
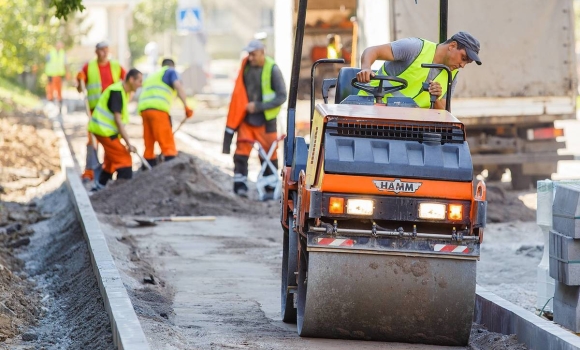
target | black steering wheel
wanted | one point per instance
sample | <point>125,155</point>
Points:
<point>379,91</point>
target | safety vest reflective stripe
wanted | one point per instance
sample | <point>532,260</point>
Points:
<point>415,76</point>
<point>105,125</point>
<point>94,86</point>
<point>103,121</point>
<point>105,113</point>
<point>268,94</point>
<point>157,87</point>
<point>156,94</point>
<point>55,67</point>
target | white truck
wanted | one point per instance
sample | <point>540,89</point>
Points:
<point>509,104</point>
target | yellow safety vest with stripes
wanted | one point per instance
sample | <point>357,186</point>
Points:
<point>102,122</point>
<point>156,94</point>
<point>94,86</point>
<point>55,67</point>
<point>415,75</point>
<point>268,94</point>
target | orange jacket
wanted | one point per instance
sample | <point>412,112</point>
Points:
<point>239,102</point>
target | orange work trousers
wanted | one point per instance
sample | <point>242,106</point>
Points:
<point>116,155</point>
<point>157,128</point>
<point>247,132</point>
<point>54,84</point>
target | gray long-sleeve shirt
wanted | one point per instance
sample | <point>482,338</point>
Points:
<point>253,83</point>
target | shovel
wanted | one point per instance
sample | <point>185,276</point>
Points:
<point>179,126</point>
<point>143,161</point>
<point>154,221</point>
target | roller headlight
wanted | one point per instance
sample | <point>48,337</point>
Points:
<point>432,211</point>
<point>359,207</point>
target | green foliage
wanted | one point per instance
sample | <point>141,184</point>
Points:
<point>30,29</point>
<point>150,17</point>
<point>12,95</point>
<point>66,7</point>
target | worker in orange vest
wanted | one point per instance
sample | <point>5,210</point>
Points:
<point>97,74</point>
<point>258,94</point>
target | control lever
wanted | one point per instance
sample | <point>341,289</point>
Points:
<point>432,98</point>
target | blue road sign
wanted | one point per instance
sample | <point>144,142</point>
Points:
<point>189,19</point>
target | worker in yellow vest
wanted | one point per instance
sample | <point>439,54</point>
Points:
<point>55,71</point>
<point>333,48</point>
<point>258,95</point>
<point>107,123</point>
<point>403,58</point>
<point>97,74</point>
<point>155,101</point>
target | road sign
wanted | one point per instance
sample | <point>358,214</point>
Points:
<point>189,19</point>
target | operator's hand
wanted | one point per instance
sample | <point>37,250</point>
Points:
<point>365,75</point>
<point>435,89</point>
<point>131,148</point>
<point>188,112</point>
<point>79,88</point>
<point>251,107</point>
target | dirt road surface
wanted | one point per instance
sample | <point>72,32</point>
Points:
<point>215,285</point>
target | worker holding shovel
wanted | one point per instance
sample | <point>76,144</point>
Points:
<point>107,124</point>
<point>155,101</point>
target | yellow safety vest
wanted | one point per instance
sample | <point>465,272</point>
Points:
<point>102,122</point>
<point>156,94</point>
<point>55,67</point>
<point>94,86</point>
<point>415,75</point>
<point>332,52</point>
<point>268,94</point>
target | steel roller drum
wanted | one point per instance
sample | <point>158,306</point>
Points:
<point>428,300</point>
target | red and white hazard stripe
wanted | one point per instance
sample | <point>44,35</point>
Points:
<point>336,242</point>
<point>449,248</point>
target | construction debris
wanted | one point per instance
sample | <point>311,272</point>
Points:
<point>173,188</point>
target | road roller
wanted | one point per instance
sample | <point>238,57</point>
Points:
<point>381,215</point>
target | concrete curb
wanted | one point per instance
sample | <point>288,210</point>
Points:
<point>501,316</point>
<point>127,331</point>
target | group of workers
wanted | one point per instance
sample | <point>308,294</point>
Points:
<point>258,95</point>
<point>108,89</point>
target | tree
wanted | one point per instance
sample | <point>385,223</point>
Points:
<point>150,17</point>
<point>30,29</point>
<point>66,7</point>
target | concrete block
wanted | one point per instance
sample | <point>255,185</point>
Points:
<point>566,209</point>
<point>564,259</point>
<point>567,306</point>
<point>501,316</point>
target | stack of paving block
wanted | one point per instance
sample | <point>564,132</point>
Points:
<point>565,255</point>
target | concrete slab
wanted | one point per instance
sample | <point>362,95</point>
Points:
<point>566,209</point>
<point>501,316</point>
<point>564,259</point>
<point>567,306</point>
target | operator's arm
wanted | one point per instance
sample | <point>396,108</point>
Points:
<point>115,105</point>
<point>369,56</point>
<point>279,87</point>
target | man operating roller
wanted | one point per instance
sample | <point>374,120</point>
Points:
<point>403,58</point>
